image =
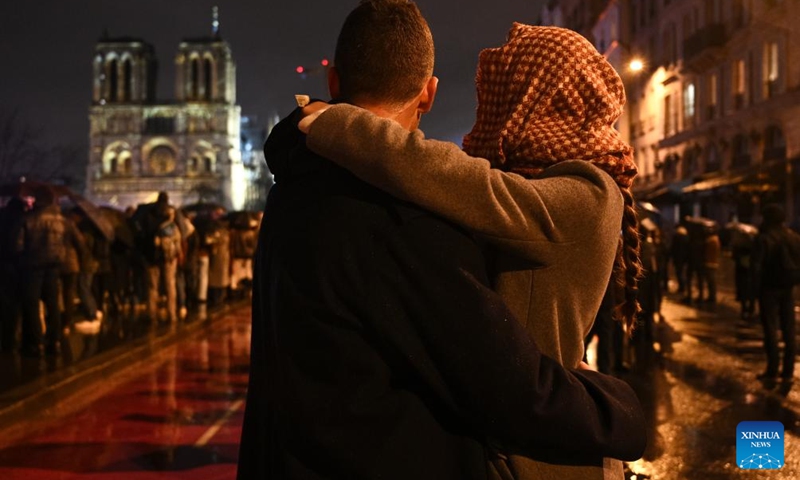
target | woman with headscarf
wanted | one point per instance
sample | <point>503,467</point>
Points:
<point>544,180</point>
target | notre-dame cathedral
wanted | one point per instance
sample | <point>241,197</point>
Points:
<point>189,147</point>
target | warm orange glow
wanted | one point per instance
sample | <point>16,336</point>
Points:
<point>636,65</point>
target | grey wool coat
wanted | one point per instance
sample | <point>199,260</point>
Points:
<point>553,239</point>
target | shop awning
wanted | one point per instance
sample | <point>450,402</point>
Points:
<point>720,181</point>
<point>663,192</point>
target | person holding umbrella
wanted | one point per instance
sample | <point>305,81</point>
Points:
<point>41,241</point>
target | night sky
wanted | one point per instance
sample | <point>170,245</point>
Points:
<point>46,48</point>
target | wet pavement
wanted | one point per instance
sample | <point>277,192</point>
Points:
<point>178,414</point>
<point>700,385</point>
<point>81,348</point>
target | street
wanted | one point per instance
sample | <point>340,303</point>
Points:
<point>703,384</point>
<point>178,415</point>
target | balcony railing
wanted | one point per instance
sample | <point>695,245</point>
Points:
<point>707,40</point>
<point>774,153</point>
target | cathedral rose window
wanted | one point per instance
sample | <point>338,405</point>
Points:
<point>162,160</point>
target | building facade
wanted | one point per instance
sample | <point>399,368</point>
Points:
<point>714,114</point>
<point>189,147</point>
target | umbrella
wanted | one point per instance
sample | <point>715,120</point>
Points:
<point>201,209</point>
<point>90,210</point>
<point>182,219</point>
<point>648,207</point>
<point>30,188</point>
<point>648,225</point>
<point>700,225</point>
<point>744,228</point>
<point>242,219</point>
<point>122,228</point>
<point>94,214</point>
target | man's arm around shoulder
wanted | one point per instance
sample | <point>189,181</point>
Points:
<point>495,376</point>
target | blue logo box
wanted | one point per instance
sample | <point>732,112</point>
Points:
<point>759,445</point>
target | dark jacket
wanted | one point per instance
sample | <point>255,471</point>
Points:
<point>155,227</point>
<point>76,253</point>
<point>43,237</point>
<point>768,263</point>
<point>243,242</point>
<point>11,217</point>
<point>379,351</point>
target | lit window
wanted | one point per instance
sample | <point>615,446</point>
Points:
<point>670,116</point>
<point>739,85</point>
<point>771,69</point>
<point>689,99</point>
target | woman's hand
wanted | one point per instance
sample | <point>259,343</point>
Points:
<point>310,113</point>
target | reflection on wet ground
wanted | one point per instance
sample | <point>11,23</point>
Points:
<point>128,327</point>
<point>698,388</point>
<point>180,414</point>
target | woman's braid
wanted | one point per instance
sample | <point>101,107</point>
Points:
<point>628,264</point>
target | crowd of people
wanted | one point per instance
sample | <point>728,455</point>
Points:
<point>64,272</point>
<point>687,265</point>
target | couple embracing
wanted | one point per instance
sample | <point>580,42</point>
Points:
<point>418,310</point>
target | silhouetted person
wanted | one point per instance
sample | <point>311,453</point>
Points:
<point>10,286</point>
<point>776,299</point>
<point>741,246</point>
<point>679,251</point>
<point>219,258</point>
<point>649,285</point>
<point>42,245</point>
<point>608,331</point>
<point>161,244</point>
<point>710,265</point>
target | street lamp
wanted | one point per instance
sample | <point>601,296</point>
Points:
<point>636,65</point>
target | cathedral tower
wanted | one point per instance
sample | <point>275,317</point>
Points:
<point>124,72</point>
<point>190,147</point>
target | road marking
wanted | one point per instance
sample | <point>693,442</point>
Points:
<point>203,441</point>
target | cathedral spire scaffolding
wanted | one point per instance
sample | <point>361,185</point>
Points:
<point>215,21</point>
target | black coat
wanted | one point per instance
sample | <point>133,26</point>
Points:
<point>769,265</point>
<point>379,351</point>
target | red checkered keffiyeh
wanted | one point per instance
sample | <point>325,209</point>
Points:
<point>547,96</point>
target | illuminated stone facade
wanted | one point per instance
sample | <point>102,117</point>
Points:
<point>190,147</point>
<point>714,116</point>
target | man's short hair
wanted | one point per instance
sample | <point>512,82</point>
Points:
<point>384,52</point>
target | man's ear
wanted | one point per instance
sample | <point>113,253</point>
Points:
<point>428,95</point>
<point>333,83</point>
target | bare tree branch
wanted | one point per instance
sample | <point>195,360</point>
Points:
<point>19,145</point>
